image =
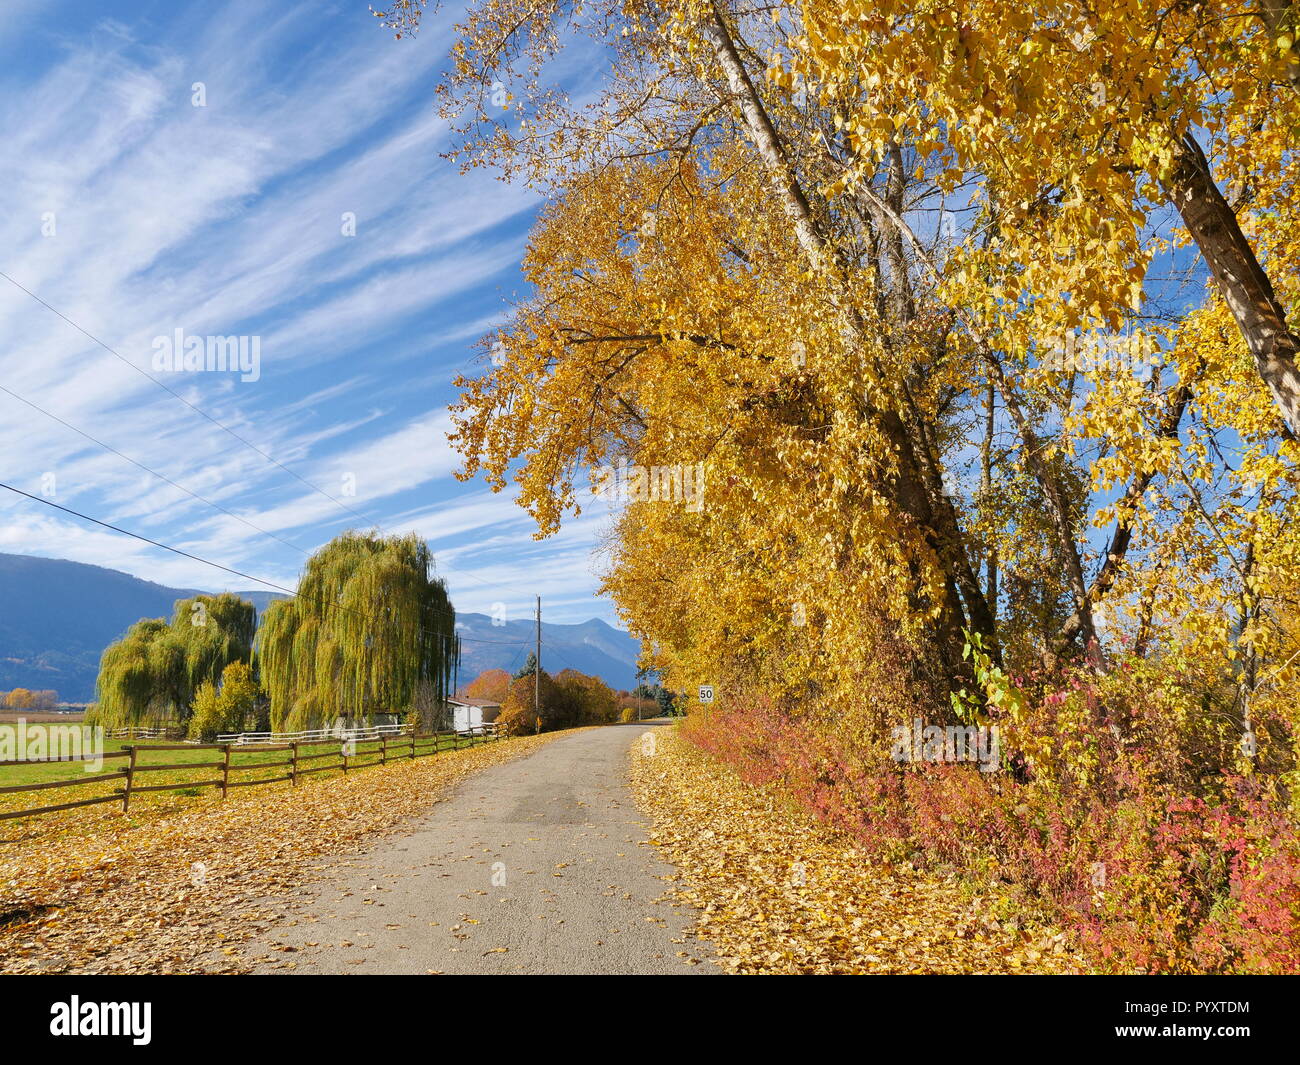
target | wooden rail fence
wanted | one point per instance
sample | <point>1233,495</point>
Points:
<point>346,756</point>
<point>366,732</point>
<point>140,732</point>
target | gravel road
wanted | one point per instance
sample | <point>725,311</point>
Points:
<point>537,866</point>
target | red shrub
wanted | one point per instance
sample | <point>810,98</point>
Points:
<point>1109,829</point>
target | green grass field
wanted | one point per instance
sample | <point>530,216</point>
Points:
<point>246,765</point>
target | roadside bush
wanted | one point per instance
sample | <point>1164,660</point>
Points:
<point>519,716</point>
<point>237,705</point>
<point>583,700</point>
<point>1123,807</point>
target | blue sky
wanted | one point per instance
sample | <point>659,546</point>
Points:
<point>136,213</point>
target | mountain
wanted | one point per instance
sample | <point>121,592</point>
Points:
<point>590,647</point>
<point>56,618</point>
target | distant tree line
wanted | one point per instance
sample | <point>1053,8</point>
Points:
<point>27,699</point>
<point>567,699</point>
<point>370,631</point>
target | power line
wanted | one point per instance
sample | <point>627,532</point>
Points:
<point>515,661</point>
<point>208,562</point>
<point>138,536</point>
<point>147,469</point>
<point>198,410</point>
<point>171,391</point>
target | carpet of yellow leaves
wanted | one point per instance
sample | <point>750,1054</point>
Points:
<point>169,892</point>
<point>781,893</point>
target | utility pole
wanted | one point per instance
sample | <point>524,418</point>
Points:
<point>537,673</point>
<point>455,680</point>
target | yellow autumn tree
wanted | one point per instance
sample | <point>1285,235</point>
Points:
<point>933,359</point>
<point>912,285</point>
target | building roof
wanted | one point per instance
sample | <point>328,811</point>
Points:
<point>473,702</point>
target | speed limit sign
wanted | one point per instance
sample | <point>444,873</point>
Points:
<point>706,693</point>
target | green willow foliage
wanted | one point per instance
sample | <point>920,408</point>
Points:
<point>370,631</point>
<point>152,673</point>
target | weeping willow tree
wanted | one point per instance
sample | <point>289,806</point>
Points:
<point>370,631</point>
<point>152,673</point>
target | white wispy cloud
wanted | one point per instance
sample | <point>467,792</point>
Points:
<point>134,213</point>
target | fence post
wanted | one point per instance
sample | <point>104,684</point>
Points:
<point>225,772</point>
<point>383,749</point>
<point>130,776</point>
<point>293,768</point>
<point>412,745</point>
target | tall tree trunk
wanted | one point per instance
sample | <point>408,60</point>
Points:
<point>1123,535</point>
<point>990,559</point>
<point>1280,16</point>
<point>1058,503</point>
<point>1245,286</point>
<point>911,492</point>
<point>950,544</point>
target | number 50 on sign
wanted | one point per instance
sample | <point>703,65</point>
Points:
<point>706,693</point>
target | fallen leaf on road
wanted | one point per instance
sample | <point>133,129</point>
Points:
<point>777,891</point>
